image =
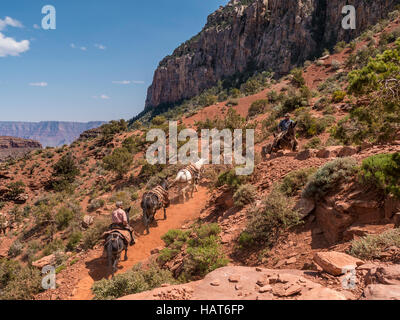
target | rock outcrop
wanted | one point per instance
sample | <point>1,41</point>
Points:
<point>11,147</point>
<point>48,133</point>
<point>245,283</point>
<point>247,35</point>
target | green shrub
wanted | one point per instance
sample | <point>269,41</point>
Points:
<point>257,107</point>
<point>231,179</point>
<point>329,176</point>
<point>93,234</point>
<point>339,47</point>
<point>297,77</point>
<point>295,181</point>
<point>15,249</point>
<point>18,282</point>
<point>314,143</point>
<point>74,240</point>
<point>119,161</point>
<point>272,96</point>
<point>308,125</point>
<point>267,222</point>
<point>63,218</point>
<point>14,189</point>
<point>95,204</point>
<point>65,171</point>
<point>338,96</point>
<point>371,246</point>
<point>382,171</point>
<point>244,195</point>
<point>134,281</point>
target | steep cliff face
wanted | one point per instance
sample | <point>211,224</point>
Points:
<point>269,34</point>
<point>12,147</point>
<point>49,133</point>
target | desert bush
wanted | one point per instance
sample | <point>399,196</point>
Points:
<point>257,107</point>
<point>244,195</point>
<point>63,217</point>
<point>297,77</point>
<point>134,281</point>
<point>382,171</point>
<point>314,143</point>
<point>119,161</point>
<point>272,96</point>
<point>339,47</point>
<point>268,221</point>
<point>112,128</point>
<point>65,171</point>
<point>371,246</point>
<point>329,176</point>
<point>231,179</point>
<point>232,103</point>
<point>308,125</point>
<point>14,189</point>
<point>93,234</point>
<point>335,65</point>
<point>18,282</point>
<point>74,240</point>
<point>15,249</point>
<point>95,204</point>
<point>294,182</point>
<point>338,96</point>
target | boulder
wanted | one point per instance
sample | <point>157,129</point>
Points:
<point>329,152</point>
<point>336,263</point>
<point>306,154</point>
<point>384,274</point>
<point>392,206</point>
<point>87,221</point>
<point>347,151</point>
<point>382,292</point>
<point>305,206</point>
<point>45,261</point>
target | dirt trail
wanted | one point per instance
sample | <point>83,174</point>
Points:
<point>177,215</point>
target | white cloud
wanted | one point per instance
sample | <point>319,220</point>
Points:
<point>35,26</point>
<point>100,46</point>
<point>11,47</point>
<point>73,46</point>
<point>10,22</point>
<point>128,82</point>
<point>122,82</point>
<point>38,84</point>
<point>83,48</point>
<point>103,96</point>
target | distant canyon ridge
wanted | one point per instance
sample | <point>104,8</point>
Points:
<point>48,133</point>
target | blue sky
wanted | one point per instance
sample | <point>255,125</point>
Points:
<point>97,64</point>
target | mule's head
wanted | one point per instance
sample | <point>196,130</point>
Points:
<point>164,184</point>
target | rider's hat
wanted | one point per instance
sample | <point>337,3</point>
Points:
<point>287,115</point>
<point>119,204</point>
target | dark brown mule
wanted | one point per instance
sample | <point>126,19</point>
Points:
<point>284,140</point>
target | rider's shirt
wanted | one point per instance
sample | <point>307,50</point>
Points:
<point>119,217</point>
<point>284,124</point>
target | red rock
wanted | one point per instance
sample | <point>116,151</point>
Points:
<point>322,293</point>
<point>234,278</point>
<point>334,262</point>
<point>382,292</point>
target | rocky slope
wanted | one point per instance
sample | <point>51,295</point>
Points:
<point>260,34</point>
<point>11,147</point>
<point>48,133</point>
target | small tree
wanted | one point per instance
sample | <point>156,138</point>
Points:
<point>65,172</point>
<point>119,161</point>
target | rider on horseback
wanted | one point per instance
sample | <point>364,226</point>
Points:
<point>120,221</point>
<point>285,123</point>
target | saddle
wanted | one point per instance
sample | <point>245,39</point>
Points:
<point>125,235</point>
<point>161,194</point>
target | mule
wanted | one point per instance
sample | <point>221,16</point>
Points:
<point>114,245</point>
<point>151,203</point>
<point>284,140</point>
<point>186,181</point>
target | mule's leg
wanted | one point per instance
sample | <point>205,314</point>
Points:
<point>165,213</point>
<point>295,144</point>
<point>146,222</point>
<point>126,253</point>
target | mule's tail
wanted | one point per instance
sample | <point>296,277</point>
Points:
<point>109,247</point>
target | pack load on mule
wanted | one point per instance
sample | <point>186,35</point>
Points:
<point>285,139</point>
<point>189,177</point>
<point>154,200</point>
